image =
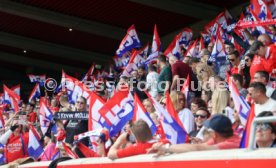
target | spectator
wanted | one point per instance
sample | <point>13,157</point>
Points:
<point>229,47</point>
<point>142,134</point>
<point>165,76</point>
<point>32,117</point>
<point>257,92</point>
<point>222,137</point>
<point>194,90</point>
<point>187,59</point>
<point>201,115</point>
<point>220,100</point>
<point>185,115</point>
<point>263,77</point>
<point>75,127</point>
<point>204,72</point>
<point>196,104</point>
<point>204,55</point>
<point>266,52</point>
<point>180,72</point>
<point>234,58</point>
<point>245,68</point>
<point>16,142</point>
<point>148,106</point>
<point>265,132</point>
<point>238,81</point>
<point>206,95</point>
<point>152,79</point>
<point>210,47</point>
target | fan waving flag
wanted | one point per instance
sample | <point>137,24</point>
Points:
<point>11,98</point>
<point>241,106</point>
<point>129,42</point>
<point>45,116</point>
<point>35,93</point>
<point>141,113</point>
<point>136,60</point>
<point>172,127</point>
<point>155,46</point>
<point>117,112</point>
<point>35,149</point>
<point>37,79</point>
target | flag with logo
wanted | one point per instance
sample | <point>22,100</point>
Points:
<point>185,37</point>
<point>117,112</point>
<point>129,42</point>
<point>94,117</point>
<point>35,149</point>
<point>241,106</point>
<point>171,125</point>
<point>141,113</point>
<point>246,133</point>
<point>45,116</point>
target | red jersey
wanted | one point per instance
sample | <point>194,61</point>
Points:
<point>270,58</point>
<point>32,117</point>
<point>229,143</point>
<point>135,149</point>
<point>14,147</point>
<point>258,64</point>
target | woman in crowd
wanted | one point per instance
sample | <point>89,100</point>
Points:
<point>184,114</point>
<point>244,68</point>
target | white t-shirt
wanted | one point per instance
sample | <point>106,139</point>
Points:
<point>269,105</point>
<point>269,91</point>
<point>187,119</point>
<point>152,79</point>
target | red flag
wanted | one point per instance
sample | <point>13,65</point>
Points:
<point>11,97</point>
<point>96,103</point>
<point>246,134</point>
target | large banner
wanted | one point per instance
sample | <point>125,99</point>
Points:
<point>71,115</point>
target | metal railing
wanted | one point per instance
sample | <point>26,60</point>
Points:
<point>252,139</point>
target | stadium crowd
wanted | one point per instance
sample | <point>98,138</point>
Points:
<point>202,97</point>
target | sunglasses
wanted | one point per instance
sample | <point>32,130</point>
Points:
<point>246,60</point>
<point>232,60</point>
<point>263,127</point>
<point>201,116</point>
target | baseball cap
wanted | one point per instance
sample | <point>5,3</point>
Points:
<point>219,123</point>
